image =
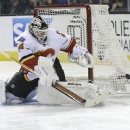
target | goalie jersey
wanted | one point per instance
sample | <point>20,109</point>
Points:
<point>30,49</point>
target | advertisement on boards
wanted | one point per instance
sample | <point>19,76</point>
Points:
<point>121,25</point>
<point>19,26</point>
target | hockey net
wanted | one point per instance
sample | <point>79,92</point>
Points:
<point>91,26</point>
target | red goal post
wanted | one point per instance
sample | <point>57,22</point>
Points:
<point>92,28</point>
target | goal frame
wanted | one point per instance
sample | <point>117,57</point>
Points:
<point>88,26</point>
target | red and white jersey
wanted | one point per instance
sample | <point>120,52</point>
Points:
<point>30,49</point>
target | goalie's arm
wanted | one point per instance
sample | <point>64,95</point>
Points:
<point>76,53</point>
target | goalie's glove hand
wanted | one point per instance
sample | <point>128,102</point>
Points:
<point>86,60</point>
<point>81,56</point>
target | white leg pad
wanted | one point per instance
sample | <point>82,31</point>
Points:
<point>2,92</point>
<point>49,95</point>
<point>83,89</point>
<point>12,99</point>
<point>92,91</point>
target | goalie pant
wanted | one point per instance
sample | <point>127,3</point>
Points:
<point>20,88</point>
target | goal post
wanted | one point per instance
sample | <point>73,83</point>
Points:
<point>91,26</point>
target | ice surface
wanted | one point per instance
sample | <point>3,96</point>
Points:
<point>114,114</point>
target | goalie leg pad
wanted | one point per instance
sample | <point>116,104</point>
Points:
<point>83,89</point>
<point>12,99</point>
<point>49,95</point>
<point>2,92</point>
<point>91,91</point>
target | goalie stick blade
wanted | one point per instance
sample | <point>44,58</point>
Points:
<point>97,100</point>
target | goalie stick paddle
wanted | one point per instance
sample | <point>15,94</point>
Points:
<point>76,98</point>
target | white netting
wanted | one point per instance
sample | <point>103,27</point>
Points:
<point>111,64</point>
<point>107,50</point>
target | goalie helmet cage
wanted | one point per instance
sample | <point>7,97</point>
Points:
<point>91,26</point>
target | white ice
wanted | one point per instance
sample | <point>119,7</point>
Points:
<point>114,114</point>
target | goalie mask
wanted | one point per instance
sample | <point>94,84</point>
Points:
<point>38,28</point>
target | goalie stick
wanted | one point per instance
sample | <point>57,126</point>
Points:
<point>73,96</point>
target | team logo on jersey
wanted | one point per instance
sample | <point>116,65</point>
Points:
<point>21,24</point>
<point>12,86</point>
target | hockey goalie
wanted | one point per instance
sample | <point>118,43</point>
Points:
<point>38,48</point>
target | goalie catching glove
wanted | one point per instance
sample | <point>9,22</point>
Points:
<point>81,56</point>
